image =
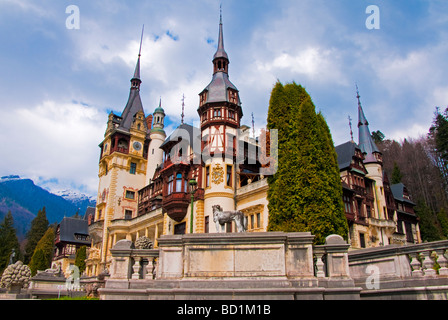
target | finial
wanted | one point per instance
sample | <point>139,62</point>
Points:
<point>141,41</point>
<point>183,107</point>
<point>253,125</point>
<point>220,13</point>
<point>357,95</point>
<point>351,130</point>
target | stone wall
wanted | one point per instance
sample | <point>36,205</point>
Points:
<point>272,265</point>
<point>402,272</point>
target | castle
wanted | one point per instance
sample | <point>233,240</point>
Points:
<point>153,185</point>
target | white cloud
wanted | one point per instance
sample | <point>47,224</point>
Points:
<point>54,140</point>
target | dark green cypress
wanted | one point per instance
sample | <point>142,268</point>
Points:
<point>305,194</point>
<point>80,259</point>
<point>8,242</point>
<point>39,226</point>
<point>43,253</point>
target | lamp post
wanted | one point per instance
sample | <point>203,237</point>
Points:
<point>192,184</point>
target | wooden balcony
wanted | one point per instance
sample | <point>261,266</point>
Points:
<point>176,205</point>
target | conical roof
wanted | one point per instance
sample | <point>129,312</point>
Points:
<point>366,143</point>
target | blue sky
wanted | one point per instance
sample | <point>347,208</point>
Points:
<point>57,85</point>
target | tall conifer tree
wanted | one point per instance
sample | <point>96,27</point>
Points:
<point>43,253</point>
<point>8,242</point>
<point>39,226</point>
<point>305,194</point>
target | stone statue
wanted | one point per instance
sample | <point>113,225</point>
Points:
<point>53,271</point>
<point>143,243</point>
<point>17,274</point>
<point>11,257</point>
<point>222,217</point>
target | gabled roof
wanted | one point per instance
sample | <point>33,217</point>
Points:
<point>398,190</point>
<point>346,152</point>
<point>69,227</point>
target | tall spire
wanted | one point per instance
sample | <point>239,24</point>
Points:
<point>136,81</point>
<point>221,59</point>
<point>366,143</point>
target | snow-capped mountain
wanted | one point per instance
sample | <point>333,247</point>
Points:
<point>24,199</point>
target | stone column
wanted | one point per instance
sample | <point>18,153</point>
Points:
<point>416,265</point>
<point>428,264</point>
<point>337,257</point>
<point>121,260</point>
<point>442,261</point>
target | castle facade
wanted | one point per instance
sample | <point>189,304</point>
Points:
<point>153,185</point>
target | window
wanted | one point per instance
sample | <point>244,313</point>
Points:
<point>170,184</point>
<point>369,211</point>
<point>252,222</point>
<point>133,168</point>
<point>130,195</point>
<point>207,176</point>
<point>179,182</point>
<point>258,220</point>
<point>127,214</point>
<point>362,240</point>
<point>409,233</point>
<point>229,176</point>
<point>180,228</point>
<point>206,223</point>
<point>217,113</point>
<point>348,207</point>
<point>231,114</point>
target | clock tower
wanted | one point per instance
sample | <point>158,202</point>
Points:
<point>220,115</point>
<point>122,165</point>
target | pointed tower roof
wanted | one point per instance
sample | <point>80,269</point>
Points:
<point>220,52</point>
<point>134,104</point>
<point>220,84</point>
<point>366,143</point>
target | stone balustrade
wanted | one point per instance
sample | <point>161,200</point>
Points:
<point>417,271</point>
<point>131,263</point>
<point>272,265</point>
<point>275,265</point>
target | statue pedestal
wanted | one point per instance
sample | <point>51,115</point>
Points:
<point>226,266</point>
<point>15,289</point>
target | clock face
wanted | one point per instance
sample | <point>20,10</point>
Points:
<point>137,146</point>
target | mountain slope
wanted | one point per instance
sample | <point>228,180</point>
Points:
<point>25,199</point>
